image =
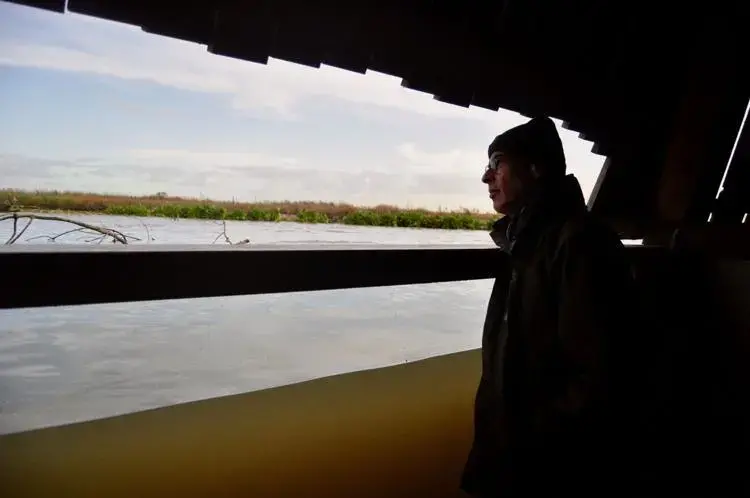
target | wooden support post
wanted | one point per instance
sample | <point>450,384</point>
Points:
<point>636,124</point>
<point>733,202</point>
<point>705,126</point>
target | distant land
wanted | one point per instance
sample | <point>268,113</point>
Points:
<point>163,205</point>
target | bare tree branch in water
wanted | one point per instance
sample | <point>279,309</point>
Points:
<point>149,238</point>
<point>226,237</point>
<point>100,234</point>
<point>96,234</point>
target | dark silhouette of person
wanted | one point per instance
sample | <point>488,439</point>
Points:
<point>551,408</point>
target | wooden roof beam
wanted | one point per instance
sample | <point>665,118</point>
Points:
<point>128,12</point>
<point>53,5</point>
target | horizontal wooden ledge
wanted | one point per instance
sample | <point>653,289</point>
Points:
<point>56,275</point>
<point>222,248</point>
<point>52,275</point>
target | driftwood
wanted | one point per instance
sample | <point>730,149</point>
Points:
<point>226,237</point>
<point>99,234</point>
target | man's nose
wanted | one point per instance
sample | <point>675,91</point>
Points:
<point>487,176</point>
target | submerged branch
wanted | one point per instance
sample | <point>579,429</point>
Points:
<point>102,232</point>
<point>94,234</point>
<point>53,238</point>
<point>226,237</point>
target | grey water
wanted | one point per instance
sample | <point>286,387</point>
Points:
<point>66,364</point>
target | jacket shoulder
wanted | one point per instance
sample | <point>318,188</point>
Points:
<point>587,230</point>
<point>588,237</point>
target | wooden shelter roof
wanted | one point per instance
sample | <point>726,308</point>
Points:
<point>636,81</point>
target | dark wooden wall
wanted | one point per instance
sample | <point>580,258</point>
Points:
<point>695,405</point>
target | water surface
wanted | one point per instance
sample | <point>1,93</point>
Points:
<point>66,364</point>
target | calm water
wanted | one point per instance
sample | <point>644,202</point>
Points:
<point>59,365</point>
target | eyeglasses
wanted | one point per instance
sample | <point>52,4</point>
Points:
<point>494,163</point>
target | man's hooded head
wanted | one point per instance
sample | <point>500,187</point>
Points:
<point>520,158</point>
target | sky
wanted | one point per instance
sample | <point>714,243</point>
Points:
<point>93,105</point>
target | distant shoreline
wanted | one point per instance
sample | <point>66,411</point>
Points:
<point>162,205</point>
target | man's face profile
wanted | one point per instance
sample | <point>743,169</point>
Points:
<point>503,184</point>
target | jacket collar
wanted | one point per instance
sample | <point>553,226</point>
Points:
<point>555,201</point>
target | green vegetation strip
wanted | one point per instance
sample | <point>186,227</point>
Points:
<point>303,212</point>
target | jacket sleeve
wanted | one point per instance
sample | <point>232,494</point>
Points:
<point>592,279</point>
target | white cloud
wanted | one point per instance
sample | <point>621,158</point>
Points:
<point>126,52</point>
<point>206,160</point>
<point>288,182</point>
<point>452,161</point>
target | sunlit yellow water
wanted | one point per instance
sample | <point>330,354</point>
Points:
<point>396,431</point>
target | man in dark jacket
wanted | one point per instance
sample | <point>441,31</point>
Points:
<point>550,412</point>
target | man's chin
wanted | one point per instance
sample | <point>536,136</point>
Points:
<point>500,208</point>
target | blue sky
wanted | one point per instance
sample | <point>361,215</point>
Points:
<point>93,105</point>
